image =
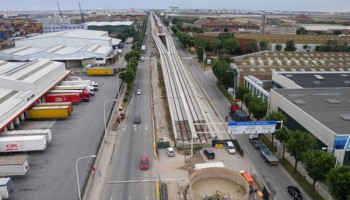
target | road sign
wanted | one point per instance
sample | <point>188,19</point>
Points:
<point>251,127</point>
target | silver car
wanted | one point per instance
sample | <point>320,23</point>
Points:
<point>170,151</point>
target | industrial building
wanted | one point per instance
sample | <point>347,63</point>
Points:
<point>49,28</point>
<point>316,102</point>
<point>75,48</point>
<point>110,27</point>
<point>22,84</point>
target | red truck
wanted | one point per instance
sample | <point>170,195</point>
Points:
<point>67,97</point>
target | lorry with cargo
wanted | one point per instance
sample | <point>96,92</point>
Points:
<point>14,133</point>
<point>6,187</point>
<point>48,112</point>
<point>23,143</point>
<point>69,104</point>
<point>99,71</point>
<point>15,165</point>
<point>143,48</point>
<point>265,153</point>
<point>86,88</point>
<point>75,98</point>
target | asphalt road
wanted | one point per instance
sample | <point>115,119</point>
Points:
<point>276,178</point>
<point>52,173</point>
<point>126,179</point>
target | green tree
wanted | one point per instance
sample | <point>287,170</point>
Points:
<point>339,179</point>
<point>251,47</point>
<point>276,116</point>
<point>240,91</point>
<point>290,46</point>
<point>223,36</point>
<point>337,32</point>
<point>258,108</point>
<point>132,54</point>
<point>230,44</point>
<point>215,44</point>
<point>174,29</point>
<point>247,98</point>
<point>298,144</point>
<point>128,75</point>
<point>302,31</point>
<point>305,47</point>
<point>318,164</point>
<point>278,47</point>
<point>282,136</point>
<point>264,46</point>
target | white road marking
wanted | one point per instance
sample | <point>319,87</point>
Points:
<point>146,127</point>
<point>147,197</point>
<point>135,127</point>
<point>124,128</point>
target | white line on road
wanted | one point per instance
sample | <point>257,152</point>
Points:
<point>124,128</point>
<point>146,127</point>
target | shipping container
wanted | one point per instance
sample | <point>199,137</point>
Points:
<point>63,97</point>
<point>6,187</point>
<point>107,71</point>
<point>45,132</point>
<point>23,143</point>
<point>16,165</point>
<point>49,112</point>
<point>69,104</point>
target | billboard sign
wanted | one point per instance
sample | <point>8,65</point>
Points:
<point>251,127</point>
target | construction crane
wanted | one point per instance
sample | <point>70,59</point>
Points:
<point>59,9</point>
<point>81,13</point>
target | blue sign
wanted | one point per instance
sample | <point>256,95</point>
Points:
<point>341,142</point>
<point>251,127</point>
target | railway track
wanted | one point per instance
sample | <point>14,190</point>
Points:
<point>187,115</point>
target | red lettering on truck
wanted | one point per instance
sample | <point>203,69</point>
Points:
<point>14,146</point>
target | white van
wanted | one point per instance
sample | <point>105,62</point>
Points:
<point>230,147</point>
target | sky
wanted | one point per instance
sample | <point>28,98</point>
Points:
<point>282,5</point>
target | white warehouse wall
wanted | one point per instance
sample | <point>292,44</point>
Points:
<point>52,41</point>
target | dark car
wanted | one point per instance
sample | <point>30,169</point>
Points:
<point>209,153</point>
<point>137,120</point>
<point>295,192</point>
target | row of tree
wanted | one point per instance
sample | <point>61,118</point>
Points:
<point>332,46</point>
<point>303,146</point>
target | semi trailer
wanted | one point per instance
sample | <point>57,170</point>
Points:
<point>23,143</point>
<point>49,112</point>
<point>14,133</point>
<point>16,165</point>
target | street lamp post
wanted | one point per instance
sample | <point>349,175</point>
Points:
<point>195,46</point>
<point>76,169</point>
<point>203,55</point>
<point>336,154</point>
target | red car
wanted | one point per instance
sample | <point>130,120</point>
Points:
<point>144,163</point>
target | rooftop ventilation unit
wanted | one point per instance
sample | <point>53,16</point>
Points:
<point>299,101</point>
<point>319,77</point>
<point>332,101</point>
<point>345,117</point>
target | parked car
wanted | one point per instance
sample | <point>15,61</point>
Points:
<point>137,120</point>
<point>295,192</point>
<point>138,92</point>
<point>230,147</point>
<point>142,59</point>
<point>209,153</point>
<point>144,163</point>
<point>170,152</point>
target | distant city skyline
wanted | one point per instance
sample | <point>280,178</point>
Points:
<point>282,5</point>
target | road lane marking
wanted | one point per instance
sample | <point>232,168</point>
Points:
<point>124,128</point>
<point>146,127</point>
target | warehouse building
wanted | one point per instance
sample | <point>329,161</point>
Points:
<point>110,27</point>
<point>22,85</point>
<point>75,48</point>
<point>76,38</point>
<point>317,102</point>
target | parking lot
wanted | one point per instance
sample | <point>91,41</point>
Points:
<point>52,173</point>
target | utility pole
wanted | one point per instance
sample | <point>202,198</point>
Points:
<point>81,14</point>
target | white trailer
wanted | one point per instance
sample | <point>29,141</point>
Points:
<point>6,187</point>
<point>45,132</point>
<point>77,78</point>
<point>143,48</point>
<point>87,88</point>
<point>81,82</point>
<point>23,143</point>
<point>65,91</point>
<point>207,165</point>
<point>14,165</point>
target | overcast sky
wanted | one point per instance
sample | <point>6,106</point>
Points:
<point>290,5</point>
